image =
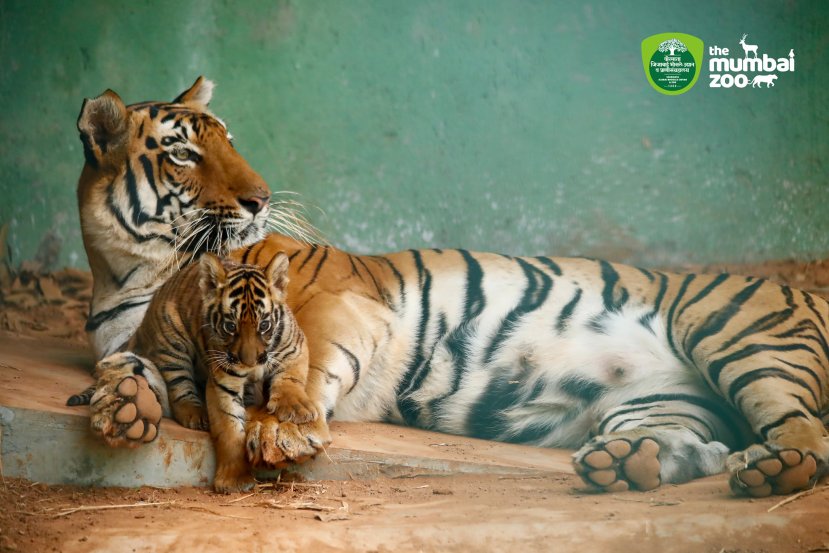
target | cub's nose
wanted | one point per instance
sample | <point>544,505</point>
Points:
<point>254,204</point>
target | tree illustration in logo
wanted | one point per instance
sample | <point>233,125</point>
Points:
<point>672,67</point>
<point>673,45</point>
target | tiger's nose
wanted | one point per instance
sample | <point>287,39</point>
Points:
<point>254,204</point>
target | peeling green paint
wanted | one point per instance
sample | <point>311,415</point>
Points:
<point>524,127</point>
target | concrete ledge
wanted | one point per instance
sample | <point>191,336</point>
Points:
<point>45,441</point>
<point>56,448</point>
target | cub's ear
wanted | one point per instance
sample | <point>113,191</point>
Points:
<point>277,271</point>
<point>213,273</point>
<point>104,126</point>
<point>199,94</point>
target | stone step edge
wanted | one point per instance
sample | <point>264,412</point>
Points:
<point>58,448</point>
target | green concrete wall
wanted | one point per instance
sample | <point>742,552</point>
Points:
<point>516,126</point>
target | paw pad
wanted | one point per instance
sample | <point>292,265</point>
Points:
<point>619,465</point>
<point>770,473</point>
<point>127,414</point>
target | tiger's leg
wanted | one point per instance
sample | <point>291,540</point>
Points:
<point>781,397</point>
<point>126,407</point>
<point>225,406</point>
<point>333,370</point>
<point>291,427</point>
<point>288,399</point>
<point>186,403</point>
<point>654,440</point>
<point>271,442</point>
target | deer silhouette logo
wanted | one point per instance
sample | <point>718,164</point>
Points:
<point>748,47</point>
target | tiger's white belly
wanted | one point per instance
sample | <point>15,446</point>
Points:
<point>629,361</point>
<point>552,371</point>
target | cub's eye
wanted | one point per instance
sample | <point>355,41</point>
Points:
<point>229,327</point>
<point>181,154</point>
<point>265,326</point>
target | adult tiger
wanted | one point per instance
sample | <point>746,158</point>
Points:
<point>162,183</point>
<point>654,377</point>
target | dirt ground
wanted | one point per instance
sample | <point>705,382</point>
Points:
<point>457,513</point>
<point>424,513</point>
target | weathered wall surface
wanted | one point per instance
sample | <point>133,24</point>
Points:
<point>523,127</point>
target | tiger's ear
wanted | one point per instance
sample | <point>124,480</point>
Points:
<point>199,94</point>
<point>277,271</point>
<point>213,273</point>
<point>104,127</point>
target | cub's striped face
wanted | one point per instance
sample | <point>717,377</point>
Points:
<point>244,311</point>
<point>173,180</point>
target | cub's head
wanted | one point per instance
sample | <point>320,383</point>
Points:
<point>162,182</point>
<point>244,310</point>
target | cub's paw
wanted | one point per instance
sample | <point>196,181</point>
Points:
<point>759,472</point>
<point>191,415</point>
<point>231,482</point>
<point>617,465</point>
<point>290,403</point>
<point>261,438</point>
<point>271,443</point>
<point>125,411</point>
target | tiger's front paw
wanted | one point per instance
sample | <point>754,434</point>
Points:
<point>290,403</point>
<point>271,443</point>
<point>316,434</point>
<point>758,471</point>
<point>125,411</point>
<point>191,415</point>
<point>616,465</point>
<point>233,479</point>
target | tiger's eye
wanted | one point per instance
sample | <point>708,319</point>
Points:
<point>182,154</point>
<point>265,326</point>
<point>229,327</point>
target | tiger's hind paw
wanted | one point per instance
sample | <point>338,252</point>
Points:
<point>125,412</point>
<point>617,465</point>
<point>191,414</point>
<point>760,472</point>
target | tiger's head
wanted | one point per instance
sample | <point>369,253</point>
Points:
<point>162,183</point>
<point>244,310</point>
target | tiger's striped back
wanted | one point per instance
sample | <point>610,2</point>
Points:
<point>570,352</point>
<point>654,377</point>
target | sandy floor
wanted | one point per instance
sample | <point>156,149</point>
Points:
<point>458,513</point>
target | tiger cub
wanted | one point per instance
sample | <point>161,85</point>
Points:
<point>224,326</point>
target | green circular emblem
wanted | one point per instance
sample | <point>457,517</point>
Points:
<point>672,67</point>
